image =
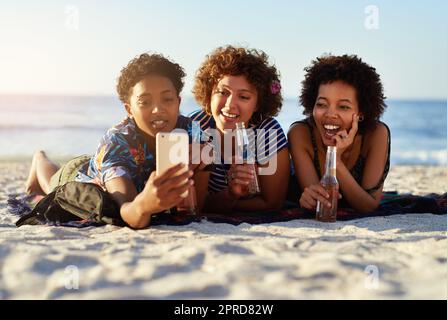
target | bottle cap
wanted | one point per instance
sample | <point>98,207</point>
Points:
<point>240,125</point>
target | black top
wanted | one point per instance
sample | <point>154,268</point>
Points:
<point>357,169</point>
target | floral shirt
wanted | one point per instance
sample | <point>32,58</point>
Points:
<point>123,152</point>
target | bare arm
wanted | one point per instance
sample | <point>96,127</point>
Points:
<point>355,194</point>
<point>376,158</point>
<point>307,177</point>
<point>273,187</point>
<point>201,183</point>
<point>160,193</point>
<point>125,194</point>
<point>221,202</point>
<point>301,152</point>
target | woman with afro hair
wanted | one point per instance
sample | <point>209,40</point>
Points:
<point>234,85</point>
<point>343,100</point>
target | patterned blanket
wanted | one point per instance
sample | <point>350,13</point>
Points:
<point>391,204</point>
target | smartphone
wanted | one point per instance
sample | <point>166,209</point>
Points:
<point>172,148</point>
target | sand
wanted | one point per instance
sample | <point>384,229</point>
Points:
<point>396,257</point>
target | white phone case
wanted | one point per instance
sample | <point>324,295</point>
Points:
<point>172,148</point>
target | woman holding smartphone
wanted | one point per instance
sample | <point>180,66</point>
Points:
<point>238,85</point>
<point>124,163</point>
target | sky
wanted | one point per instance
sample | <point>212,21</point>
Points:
<point>79,47</point>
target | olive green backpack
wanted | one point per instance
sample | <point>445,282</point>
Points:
<point>74,201</point>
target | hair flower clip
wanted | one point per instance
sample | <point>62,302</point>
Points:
<point>275,87</point>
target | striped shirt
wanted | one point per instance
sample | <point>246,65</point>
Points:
<point>267,139</point>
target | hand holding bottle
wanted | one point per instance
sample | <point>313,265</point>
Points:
<point>312,194</point>
<point>240,176</point>
<point>244,172</point>
<point>325,212</point>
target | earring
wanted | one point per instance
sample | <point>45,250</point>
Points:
<point>361,118</point>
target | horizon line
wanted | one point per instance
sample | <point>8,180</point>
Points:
<point>90,95</point>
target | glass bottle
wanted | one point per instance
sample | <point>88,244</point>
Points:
<point>189,204</point>
<point>245,152</point>
<point>330,184</point>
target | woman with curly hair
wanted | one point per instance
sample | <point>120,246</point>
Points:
<point>235,85</point>
<point>343,100</point>
<point>149,87</point>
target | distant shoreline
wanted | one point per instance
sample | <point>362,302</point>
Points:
<point>184,96</point>
<point>68,126</point>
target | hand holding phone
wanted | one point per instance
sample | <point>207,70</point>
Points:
<point>164,191</point>
<point>172,148</point>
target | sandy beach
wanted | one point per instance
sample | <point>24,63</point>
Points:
<point>395,257</point>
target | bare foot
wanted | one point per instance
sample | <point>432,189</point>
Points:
<point>32,184</point>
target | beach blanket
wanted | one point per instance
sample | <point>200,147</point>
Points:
<point>391,204</point>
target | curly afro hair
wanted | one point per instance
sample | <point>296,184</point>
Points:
<point>236,61</point>
<point>353,71</point>
<point>144,65</point>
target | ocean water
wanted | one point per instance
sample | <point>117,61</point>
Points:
<point>66,126</point>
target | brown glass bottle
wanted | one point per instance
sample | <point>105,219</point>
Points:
<point>330,183</point>
<point>189,204</point>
